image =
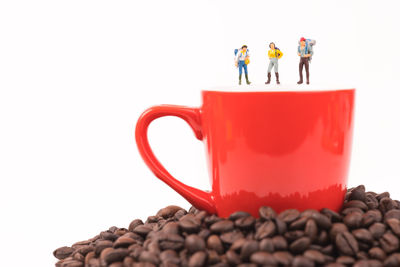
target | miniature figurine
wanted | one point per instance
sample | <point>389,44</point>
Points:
<point>305,52</point>
<point>241,61</point>
<point>273,54</point>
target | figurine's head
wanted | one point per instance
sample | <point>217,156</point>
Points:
<point>303,41</point>
<point>272,45</point>
<point>244,47</point>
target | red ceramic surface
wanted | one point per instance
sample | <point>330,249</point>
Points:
<point>280,149</point>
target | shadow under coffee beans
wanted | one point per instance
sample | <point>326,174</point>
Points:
<point>365,233</point>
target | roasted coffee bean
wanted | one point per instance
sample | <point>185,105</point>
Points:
<point>194,243</point>
<point>377,253</point>
<point>346,244</point>
<point>267,229</point>
<point>301,261</point>
<point>394,225</point>
<point>263,258</point>
<point>222,226</point>
<point>353,220</point>
<point>311,229</point>
<point>357,193</point>
<point>315,256</point>
<point>214,242</point>
<point>332,215</point>
<point>267,213</point>
<point>377,230</point>
<point>300,245</point>
<point>63,252</point>
<point>237,215</point>
<point>289,216</point>
<point>248,248</point>
<point>232,258</point>
<point>245,223</point>
<point>283,257</point>
<point>389,242</point>
<point>198,259</point>
<point>267,245</point>
<point>364,233</point>
<point>279,243</point>
<point>168,211</point>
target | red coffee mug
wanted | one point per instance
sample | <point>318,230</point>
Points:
<point>283,149</point>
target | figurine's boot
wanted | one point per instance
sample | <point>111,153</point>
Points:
<point>240,79</point>
<point>269,78</point>
<point>277,78</point>
<point>301,79</point>
<point>247,78</point>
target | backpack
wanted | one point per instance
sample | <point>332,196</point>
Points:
<point>309,46</point>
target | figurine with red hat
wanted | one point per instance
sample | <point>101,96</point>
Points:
<point>304,51</point>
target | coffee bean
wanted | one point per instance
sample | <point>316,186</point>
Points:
<point>371,217</point>
<point>346,243</point>
<point>283,257</point>
<point>392,214</point>
<point>353,220</point>
<point>168,211</point>
<point>389,242</point>
<point>377,253</point>
<point>134,224</point>
<point>238,214</point>
<point>358,193</point>
<point>245,223</point>
<point>394,225</point>
<point>300,245</point>
<point>267,213</point>
<point>214,242</point>
<point>377,230</point>
<point>346,260</point>
<point>194,243</point>
<point>248,248</point>
<point>63,252</point>
<point>311,229</point>
<point>198,259</point>
<point>355,204</point>
<point>189,223</point>
<point>222,226</point>
<point>116,255</point>
<point>280,226</point>
<point>315,256</point>
<point>332,215</point>
<point>263,258</point>
<point>267,245</point>
<point>298,224</point>
<point>267,229</point>
<point>171,241</point>
<point>301,261</point>
<point>289,216</point>
<point>363,235</point>
<point>142,230</point>
<point>123,241</point>
<point>230,237</point>
<point>232,258</point>
<point>279,243</point>
<point>392,261</point>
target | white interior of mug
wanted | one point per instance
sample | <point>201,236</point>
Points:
<point>281,88</point>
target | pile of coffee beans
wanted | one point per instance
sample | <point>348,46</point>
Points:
<point>365,233</point>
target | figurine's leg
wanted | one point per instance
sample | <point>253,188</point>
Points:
<point>246,74</point>
<point>276,71</point>
<point>300,72</point>
<point>269,72</point>
<point>307,71</point>
<point>240,72</point>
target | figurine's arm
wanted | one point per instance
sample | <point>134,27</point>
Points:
<point>280,54</point>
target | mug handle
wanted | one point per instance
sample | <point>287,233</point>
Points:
<point>200,199</point>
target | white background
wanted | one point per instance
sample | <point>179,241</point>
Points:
<point>75,76</point>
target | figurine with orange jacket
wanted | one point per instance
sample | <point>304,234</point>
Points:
<point>274,54</point>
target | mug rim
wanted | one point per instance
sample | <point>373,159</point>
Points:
<point>278,89</point>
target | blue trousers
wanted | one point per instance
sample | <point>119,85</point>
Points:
<point>242,65</point>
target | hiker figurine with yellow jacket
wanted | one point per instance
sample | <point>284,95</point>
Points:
<point>242,59</point>
<point>274,54</point>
